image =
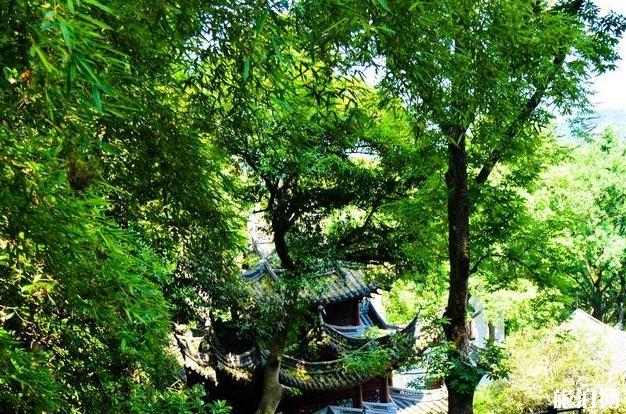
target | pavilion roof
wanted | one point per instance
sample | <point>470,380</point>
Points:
<point>320,375</point>
<point>403,401</point>
<point>338,282</point>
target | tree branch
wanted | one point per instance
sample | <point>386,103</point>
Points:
<point>531,105</point>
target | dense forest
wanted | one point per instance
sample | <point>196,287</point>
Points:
<point>414,138</point>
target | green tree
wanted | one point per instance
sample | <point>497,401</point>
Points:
<point>304,171</point>
<point>101,219</point>
<point>543,363</point>
<point>479,75</point>
<point>584,201</point>
<point>315,155</point>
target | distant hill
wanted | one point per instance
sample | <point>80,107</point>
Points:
<point>614,118</point>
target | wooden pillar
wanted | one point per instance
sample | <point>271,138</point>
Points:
<point>357,312</point>
<point>386,397</point>
<point>358,400</point>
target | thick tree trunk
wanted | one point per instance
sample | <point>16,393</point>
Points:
<point>459,257</point>
<point>460,403</point>
<point>272,390</point>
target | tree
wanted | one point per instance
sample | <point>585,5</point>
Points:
<point>86,260</point>
<point>545,364</point>
<point>478,75</point>
<point>584,200</point>
<point>316,156</point>
<point>303,170</point>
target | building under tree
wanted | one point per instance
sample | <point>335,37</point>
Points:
<point>319,371</point>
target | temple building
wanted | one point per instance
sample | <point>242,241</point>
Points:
<point>317,372</point>
<point>321,379</point>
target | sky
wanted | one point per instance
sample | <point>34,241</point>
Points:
<point>610,88</point>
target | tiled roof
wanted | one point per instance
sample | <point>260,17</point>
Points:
<point>335,374</point>
<point>340,282</point>
<point>403,401</point>
<point>420,401</point>
<point>351,336</point>
<point>187,349</point>
<point>368,408</point>
<point>370,317</point>
<point>318,376</point>
<point>337,283</point>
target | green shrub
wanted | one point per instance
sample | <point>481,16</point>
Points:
<point>543,362</point>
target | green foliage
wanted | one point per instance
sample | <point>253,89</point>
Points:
<point>408,298</point>
<point>581,205</point>
<point>90,249</point>
<point>177,399</point>
<point>317,159</point>
<point>24,382</point>
<point>134,134</point>
<point>477,79</point>
<point>435,58</point>
<point>75,284</point>
<point>369,362</point>
<point>522,304</point>
<point>443,362</point>
<point>219,407</point>
<point>543,362</point>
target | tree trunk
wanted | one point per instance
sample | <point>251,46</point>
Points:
<point>597,305</point>
<point>459,258</point>
<point>492,333</point>
<point>460,403</point>
<point>620,301</point>
<point>272,393</point>
<point>272,390</point>
<point>597,311</point>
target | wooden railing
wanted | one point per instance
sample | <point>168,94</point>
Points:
<point>372,407</point>
<point>418,395</point>
<point>552,410</point>
<point>368,408</point>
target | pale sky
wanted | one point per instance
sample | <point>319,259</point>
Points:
<point>610,88</point>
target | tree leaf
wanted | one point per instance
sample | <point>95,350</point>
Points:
<point>384,4</point>
<point>100,6</point>
<point>246,68</point>
<point>95,95</point>
<point>42,56</point>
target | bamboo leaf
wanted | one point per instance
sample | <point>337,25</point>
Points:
<point>261,22</point>
<point>99,5</point>
<point>86,69</point>
<point>95,95</point>
<point>67,36</point>
<point>246,68</point>
<point>384,4</point>
<point>42,56</point>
